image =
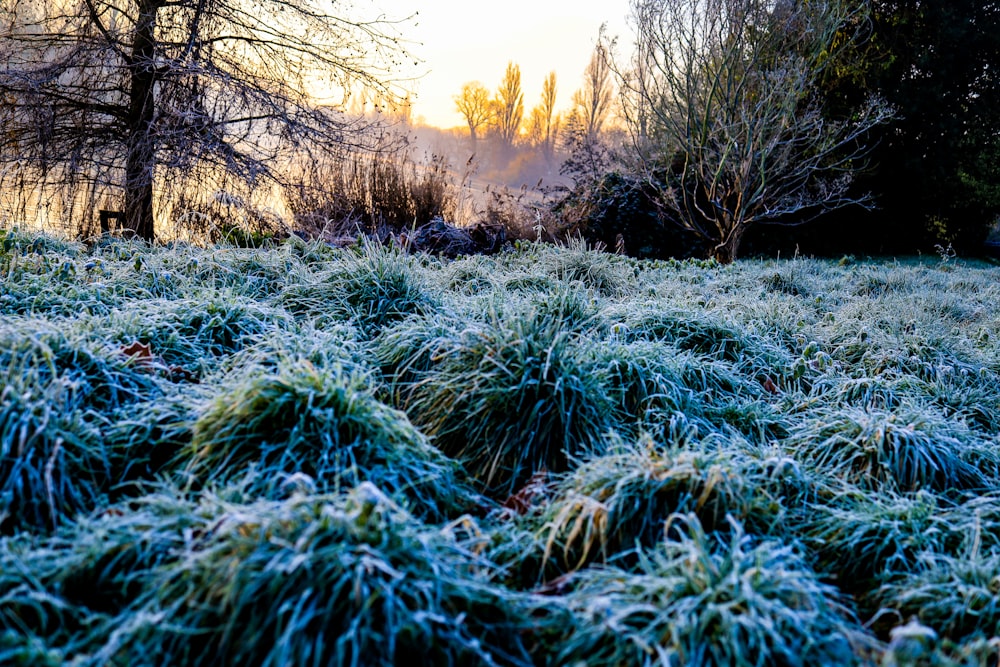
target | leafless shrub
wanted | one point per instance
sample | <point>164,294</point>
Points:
<point>376,193</point>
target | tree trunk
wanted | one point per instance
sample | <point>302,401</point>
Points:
<point>474,136</point>
<point>141,158</point>
<point>726,251</point>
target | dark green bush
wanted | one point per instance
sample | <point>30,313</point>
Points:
<point>619,208</point>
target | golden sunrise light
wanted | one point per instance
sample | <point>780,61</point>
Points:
<point>457,42</point>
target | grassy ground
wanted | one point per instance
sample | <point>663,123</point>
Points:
<point>307,455</point>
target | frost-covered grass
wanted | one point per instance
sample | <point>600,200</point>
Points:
<point>311,455</point>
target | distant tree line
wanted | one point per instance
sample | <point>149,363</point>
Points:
<point>730,127</point>
<point>502,133</point>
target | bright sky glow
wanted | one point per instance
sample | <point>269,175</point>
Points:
<point>468,40</point>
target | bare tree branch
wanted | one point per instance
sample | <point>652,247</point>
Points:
<point>122,100</point>
<point>725,115</point>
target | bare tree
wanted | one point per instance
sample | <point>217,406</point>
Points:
<point>475,105</point>
<point>132,100</point>
<point>726,117</point>
<point>593,101</point>
<point>509,105</point>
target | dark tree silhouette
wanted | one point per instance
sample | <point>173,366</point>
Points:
<point>138,101</point>
<point>937,162</point>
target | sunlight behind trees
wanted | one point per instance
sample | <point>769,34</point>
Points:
<point>475,106</point>
<point>593,101</point>
<point>135,107</point>
<point>719,117</point>
<point>455,44</point>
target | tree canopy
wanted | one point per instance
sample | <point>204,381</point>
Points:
<point>936,164</point>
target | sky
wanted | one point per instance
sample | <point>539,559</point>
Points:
<point>464,40</point>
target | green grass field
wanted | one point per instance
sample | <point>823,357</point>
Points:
<point>303,455</point>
